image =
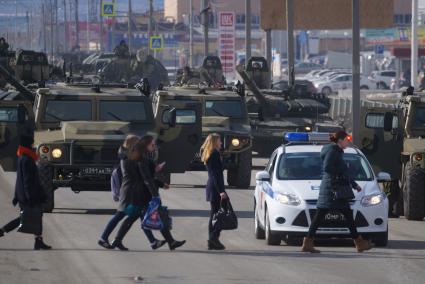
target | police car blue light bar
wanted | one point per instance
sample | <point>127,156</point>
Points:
<point>307,137</point>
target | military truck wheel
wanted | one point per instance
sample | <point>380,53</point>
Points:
<point>46,181</point>
<point>414,193</point>
<point>241,176</point>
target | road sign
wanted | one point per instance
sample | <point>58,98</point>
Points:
<point>226,42</point>
<point>156,43</point>
<point>108,9</point>
<point>379,49</point>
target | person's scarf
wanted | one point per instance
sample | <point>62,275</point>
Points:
<point>27,151</point>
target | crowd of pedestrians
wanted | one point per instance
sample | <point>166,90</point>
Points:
<point>135,188</point>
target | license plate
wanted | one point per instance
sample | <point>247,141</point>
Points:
<point>96,171</point>
<point>334,217</point>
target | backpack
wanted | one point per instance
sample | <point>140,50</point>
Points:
<point>116,180</point>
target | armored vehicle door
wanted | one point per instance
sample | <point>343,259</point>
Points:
<point>382,146</point>
<point>16,119</point>
<point>179,128</point>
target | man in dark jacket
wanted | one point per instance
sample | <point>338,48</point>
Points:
<point>28,191</point>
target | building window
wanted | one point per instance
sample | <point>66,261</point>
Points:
<point>407,19</point>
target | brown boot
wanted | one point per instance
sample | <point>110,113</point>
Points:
<point>362,245</point>
<point>308,245</point>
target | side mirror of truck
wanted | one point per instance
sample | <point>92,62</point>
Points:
<point>388,121</point>
<point>21,114</point>
<point>172,117</point>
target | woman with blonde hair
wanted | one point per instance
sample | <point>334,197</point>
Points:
<point>215,190</point>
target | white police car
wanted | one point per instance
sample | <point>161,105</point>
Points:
<point>287,190</point>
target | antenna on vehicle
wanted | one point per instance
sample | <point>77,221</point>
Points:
<point>96,84</point>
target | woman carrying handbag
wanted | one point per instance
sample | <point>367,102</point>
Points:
<point>336,191</point>
<point>215,191</point>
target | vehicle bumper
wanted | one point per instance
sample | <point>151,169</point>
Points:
<point>373,219</point>
<point>74,177</point>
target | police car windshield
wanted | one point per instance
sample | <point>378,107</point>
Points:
<point>232,109</point>
<point>308,166</point>
<point>419,117</point>
<point>122,111</point>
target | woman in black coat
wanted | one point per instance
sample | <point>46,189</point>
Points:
<point>334,169</point>
<point>137,189</point>
<point>215,190</point>
<point>28,190</point>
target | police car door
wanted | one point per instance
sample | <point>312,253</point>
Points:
<point>16,119</point>
<point>179,128</point>
<point>382,148</point>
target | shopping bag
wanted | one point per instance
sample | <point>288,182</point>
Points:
<point>31,220</point>
<point>225,218</point>
<point>152,219</point>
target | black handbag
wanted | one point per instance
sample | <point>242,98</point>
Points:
<point>225,218</point>
<point>342,189</point>
<point>31,220</point>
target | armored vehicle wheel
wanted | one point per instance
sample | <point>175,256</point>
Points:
<point>46,181</point>
<point>241,176</point>
<point>414,193</point>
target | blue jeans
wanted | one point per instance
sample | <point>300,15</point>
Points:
<point>119,215</point>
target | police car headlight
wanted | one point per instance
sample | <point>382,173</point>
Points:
<point>57,153</point>
<point>373,199</point>
<point>288,199</point>
<point>236,142</point>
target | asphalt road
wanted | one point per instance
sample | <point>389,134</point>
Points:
<point>78,219</point>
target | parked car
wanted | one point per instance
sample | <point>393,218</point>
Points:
<point>382,79</point>
<point>341,82</point>
<point>303,68</point>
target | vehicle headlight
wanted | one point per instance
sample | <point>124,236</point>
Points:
<point>288,199</point>
<point>373,199</point>
<point>236,142</point>
<point>57,153</point>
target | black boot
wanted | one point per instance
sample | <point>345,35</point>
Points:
<point>118,244</point>
<point>158,244</point>
<point>215,245</point>
<point>1,233</point>
<point>175,244</point>
<point>104,244</point>
<point>40,245</point>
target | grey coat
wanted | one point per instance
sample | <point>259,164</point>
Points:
<point>333,165</point>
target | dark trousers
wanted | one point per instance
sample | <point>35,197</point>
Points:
<point>119,215</point>
<point>320,216</point>
<point>12,225</point>
<point>129,221</point>
<point>214,233</point>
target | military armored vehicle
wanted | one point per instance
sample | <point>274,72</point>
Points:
<point>26,66</point>
<point>393,140</point>
<point>274,112</point>
<point>112,68</point>
<point>209,73</point>
<point>223,112</point>
<point>78,129</point>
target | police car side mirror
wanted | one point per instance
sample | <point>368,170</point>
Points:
<point>383,177</point>
<point>263,176</point>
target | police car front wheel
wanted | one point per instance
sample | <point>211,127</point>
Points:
<point>272,238</point>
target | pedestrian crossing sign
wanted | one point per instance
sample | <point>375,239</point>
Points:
<point>156,43</point>
<point>108,9</point>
